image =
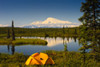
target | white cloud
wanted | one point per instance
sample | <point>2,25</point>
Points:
<point>3,25</point>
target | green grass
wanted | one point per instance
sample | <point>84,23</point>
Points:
<point>23,41</point>
<point>61,59</point>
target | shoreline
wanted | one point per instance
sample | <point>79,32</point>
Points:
<point>23,41</point>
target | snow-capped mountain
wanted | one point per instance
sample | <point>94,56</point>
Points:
<point>51,22</point>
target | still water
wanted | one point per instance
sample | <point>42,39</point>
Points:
<point>53,44</point>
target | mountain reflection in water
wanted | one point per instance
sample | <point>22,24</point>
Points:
<point>55,43</point>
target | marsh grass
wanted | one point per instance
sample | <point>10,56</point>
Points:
<point>5,41</point>
<point>23,41</point>
<point>61,59</point>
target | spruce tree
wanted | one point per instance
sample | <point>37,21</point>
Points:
<point>91,10</point>
<point>63,31</point>
<point>13,33</point>
<point>91,21</point>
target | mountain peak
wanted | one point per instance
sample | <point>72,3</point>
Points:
<point>50,18</point>
<point>53,22</point>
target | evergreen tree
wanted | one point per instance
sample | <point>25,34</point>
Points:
<point>91,16</point>
<point>91,21</point>
<point>63,31</point>
<point>13,33</point>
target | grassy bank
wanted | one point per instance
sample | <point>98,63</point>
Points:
<point>61,59</point>
<point>23,41</point>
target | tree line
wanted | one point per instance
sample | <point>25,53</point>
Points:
<point>42,32</point>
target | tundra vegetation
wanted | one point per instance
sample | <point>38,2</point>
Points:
<point>61,59</point>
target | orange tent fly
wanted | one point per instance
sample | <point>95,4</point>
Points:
<point>39,59</point>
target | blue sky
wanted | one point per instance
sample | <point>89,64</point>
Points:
<point>26,11</point>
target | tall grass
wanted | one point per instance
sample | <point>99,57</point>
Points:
<point>23,41</point>
<point>5,41</point>
<point>61,59</point>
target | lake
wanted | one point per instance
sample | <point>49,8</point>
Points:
<point>53,44</point>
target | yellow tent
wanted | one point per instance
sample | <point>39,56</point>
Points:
<point>39,59</point>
